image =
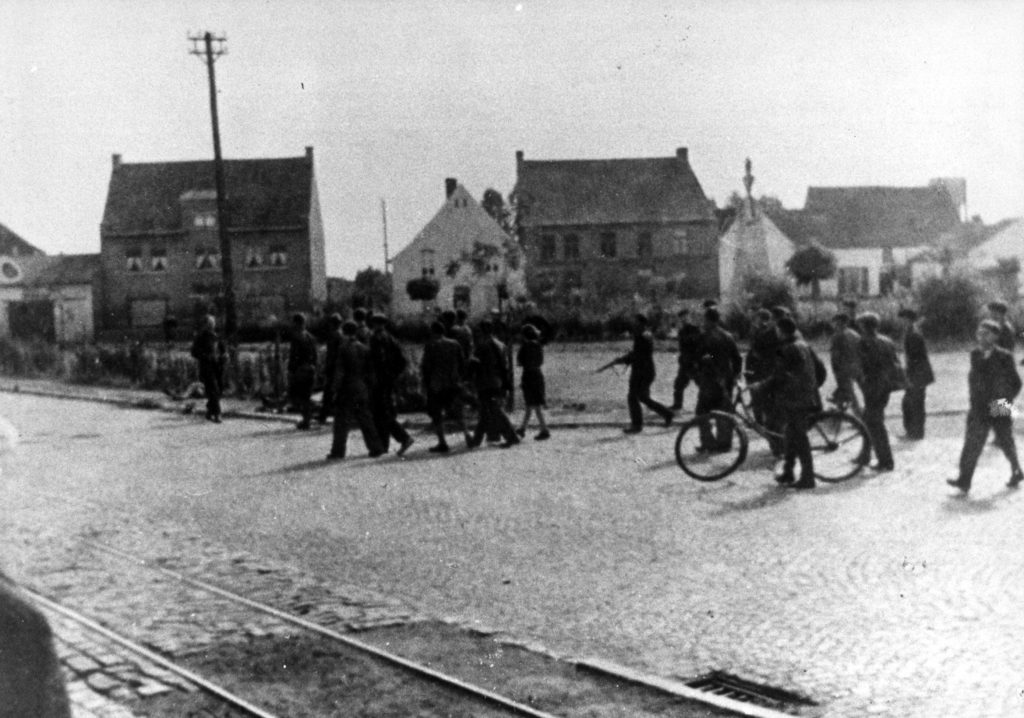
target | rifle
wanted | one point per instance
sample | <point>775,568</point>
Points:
<point>609,365</point>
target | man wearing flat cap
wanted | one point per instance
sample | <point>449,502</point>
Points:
<point>882,375</point>
<point>919,376</point>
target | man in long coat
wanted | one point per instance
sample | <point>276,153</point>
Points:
<point>919,376</point>
<point>207,350</point>
<point>353,379</point>
<point>881,369</point>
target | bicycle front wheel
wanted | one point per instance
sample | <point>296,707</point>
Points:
<point>839,445</point>
<point>711,446</point>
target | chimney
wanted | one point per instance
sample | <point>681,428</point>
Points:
<point>449,186</point>
<point>117,160</point>
<point>309,152</point>
<point>683,155</point>
<point>519,160</point>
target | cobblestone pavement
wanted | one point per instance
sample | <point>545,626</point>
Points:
<point>885,595</point>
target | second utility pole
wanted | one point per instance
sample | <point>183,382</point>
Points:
<point>227,268</point>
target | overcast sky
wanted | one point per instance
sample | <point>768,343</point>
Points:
<point>396,96</point>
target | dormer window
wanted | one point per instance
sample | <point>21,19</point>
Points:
<point>205,220</point>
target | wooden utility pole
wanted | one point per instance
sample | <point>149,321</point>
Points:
<point>384,217</point>
<point>209,54</point>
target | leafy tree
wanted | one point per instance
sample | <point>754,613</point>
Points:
<point>371,289</point>
<point>494,205</point>
<point>766,291</point>
<point>950,305</point>
<point>811,264</point>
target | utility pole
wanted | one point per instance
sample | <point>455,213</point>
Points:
<point>209,54</point>
<point>384,217</point>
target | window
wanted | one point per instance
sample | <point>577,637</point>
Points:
<point>158,260</point>
<point>427,257</point>
<point>461,297</point>
<point>681,243</point>
<point>609,250</point>
<point>278,257</point>
<point>133,260</point>
<point>207,258</point>
<point>571,247</point>
<point>547,248</point>
<point>572,280</point>
<point>205,220</point>
<point>644,246</point>
<point>853,280</point>
<point>253,258</point>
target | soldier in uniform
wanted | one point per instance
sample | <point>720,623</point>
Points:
<point>491,375</point>
<point>334,339</point>
<point>1007,334</point>
<point>794,385</point>
<point>302,360</point>
<point>441,372</point>
<point>880,366</point>
<point>919,376</point>
<point>844,356</point>
<point>689,340</point>
<point>718,365</point>
<point>641,375</point>
<point>993,383</point>
<point>353,379</point>
<point>207,351</point>
<point>388,362</point>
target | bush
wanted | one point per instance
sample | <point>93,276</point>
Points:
<point>950,306</point>
<point>766,290</point>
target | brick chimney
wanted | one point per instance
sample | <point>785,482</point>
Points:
<point>449,186</point>
<point>309,152</point>
<point>683,155</point>
<point>117,160</point>
<point>519,161</point>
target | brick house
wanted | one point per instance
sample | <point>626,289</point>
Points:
<point>616,229</point>
<point>160,250</point>
<point>874,232</point>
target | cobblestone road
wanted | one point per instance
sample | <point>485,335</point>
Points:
<point>886,595</point>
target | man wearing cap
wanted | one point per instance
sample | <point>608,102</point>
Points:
<point>441,371</point>
<point>1007,334</point>
<point>919,376</point>
<point>844,356</point>
<point>491,376</point>
<point>302,360</point>
<point>794,385</point>
<point>389,362</point>
<point>688,336</point>
<point>993,383</point>
<point>353,378</point>
<point>718,365</point>
<point>641,375</point>
<point>334,339</point>
<point>881,376</point>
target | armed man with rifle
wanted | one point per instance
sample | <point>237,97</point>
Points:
<point>641,375</point>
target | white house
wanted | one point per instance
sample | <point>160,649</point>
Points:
<point>465,251</point>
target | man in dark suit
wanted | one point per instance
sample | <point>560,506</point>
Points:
<point>794,386</point>
<point>881,376</point>
<point>1007,338</point>
<point>641,375</point>
<point>302,361</point>
<point>353,379</point>
<point>491,377</point>
<point>718,365</point>
<point>441,371</point>
<point>207,350</point>
<point>993,383</point>
<point>919,376</point>
<point>688,337</point>
<point>389,362</point>
<point>334,339</point>
<point>844,355</point>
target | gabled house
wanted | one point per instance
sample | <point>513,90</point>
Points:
<point>750,244</point>
<point>873,231</point>
<point>160,250</point>
<point>464,250</point>
<point>998,255</point>
<point>600,230</point>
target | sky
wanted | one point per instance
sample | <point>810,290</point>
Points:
<point>396,96</point>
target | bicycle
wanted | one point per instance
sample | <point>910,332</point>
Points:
<point>711,446</point>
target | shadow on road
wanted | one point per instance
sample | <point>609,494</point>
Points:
<point>768,497</point>
<point>963,504</point>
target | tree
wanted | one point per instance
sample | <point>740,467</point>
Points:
<point>371,289</point>
<point>494,205</point>
<point>811,264</point>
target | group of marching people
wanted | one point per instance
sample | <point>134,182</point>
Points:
<point>363,365</point>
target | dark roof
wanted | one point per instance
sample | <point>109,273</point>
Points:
<point>559,192</point>
<point>13,245</point>
<point>261,193</point>
<point>65,269</point>
<point>871,217</point>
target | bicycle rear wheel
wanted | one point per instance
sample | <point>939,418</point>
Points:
<point>839,445</point>
<point>711,446</point>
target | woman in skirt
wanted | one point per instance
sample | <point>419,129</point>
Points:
<point>531,358</point>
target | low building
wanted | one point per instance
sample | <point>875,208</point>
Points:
<point>1001,256</point>
<point>160,249</point>
<point>464,250</point>
<point>602,231</point>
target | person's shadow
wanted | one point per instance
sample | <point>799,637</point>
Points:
<point>964,505</point>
